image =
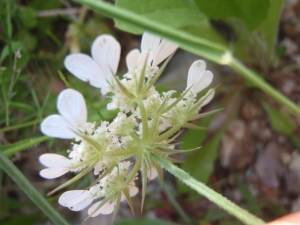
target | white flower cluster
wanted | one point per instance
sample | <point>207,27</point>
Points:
<point>146,125</point>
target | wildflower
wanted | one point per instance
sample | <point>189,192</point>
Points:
<point>73,118</point>
<point>98,69</point>
<point>57,165</point>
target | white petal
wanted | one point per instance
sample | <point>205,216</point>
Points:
<point>152,173</point>
<point>132,59</point>
<point>85,68</point>
<point>72,107</point>
<point>198,77</point>
<point>75,200</point>
<point>106,52</point>
<point>133,190</point>
<point>208,99</point>
<point>146,55</point>
<point>57,126</point>
<point>53,172</point>
<point>150,42</point>
<point>107,208</point>
<point>54,160</point>
<point>164,50</point>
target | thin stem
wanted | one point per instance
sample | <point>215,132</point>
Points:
<point>260,83</point>
<point>213,196</point>
<point>144,118</point>
<point>154,125</point>
<point>168,133</point>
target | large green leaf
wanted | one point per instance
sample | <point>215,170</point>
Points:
<point>178,14</point>
<point>250,12</point>
<point>280,120</point>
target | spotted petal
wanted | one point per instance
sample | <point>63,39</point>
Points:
<point>85,68</point>
<point>107,208</point>
<point>106,52</point>
<point>198,78</point>
<point>57,126</point>
<point>75,200</point>
<point>72,107</point>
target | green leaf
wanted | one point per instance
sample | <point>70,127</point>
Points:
<point>250,12</point>
<point>23,60</point>
<point>200,164</point>
<point>28,18</point>
<point>11,149</point>
<point>178,14</point>
<point>268,29</point>
<point>30,190</point>
<point>280,120</point>
<point>174,13</point>
<point>144,222</point>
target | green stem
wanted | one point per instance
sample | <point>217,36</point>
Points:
<point>144,119</point>
<point>168,133</point>
<point>258,82</point>
<point>213,196</point>
<point>31,192</point>
<point>189,42</point>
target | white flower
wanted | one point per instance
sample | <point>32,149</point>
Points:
<point>76,200</point>
<point>72,118</point>
<point>153,48</point>
<point>57,165</point>
<point>198,77</point>
<point>98,69</point>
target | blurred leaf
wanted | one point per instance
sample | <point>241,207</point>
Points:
<point>179,14</point>
<point>174,13</point>
<point>280,120</point>
<point>23,219</point>
<point>27,39</point>
<point>247,195</point>
<point>144,222</point>
<point>11,149</point>
<point>200,163</point>
<point>23,60</point>
<point>245,10</point>
<point>28,18</point>
<point>269,27</point>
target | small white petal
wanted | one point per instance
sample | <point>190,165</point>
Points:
<point>85,68</point>
<point>54,160</point>
<point>150,42</point>
<point>198,77</point>
<point>132,59</point>
<point>57,126</point>
<point>75,200</point>
<point>152,173</point>
<point>107,208</point>
<point>146,55</point>
<point>72,107</point>
<point>165,49</point>
<point>106,52</point>
<point>133,190</point>
<point>208,99</point>
<point>52,173</point>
